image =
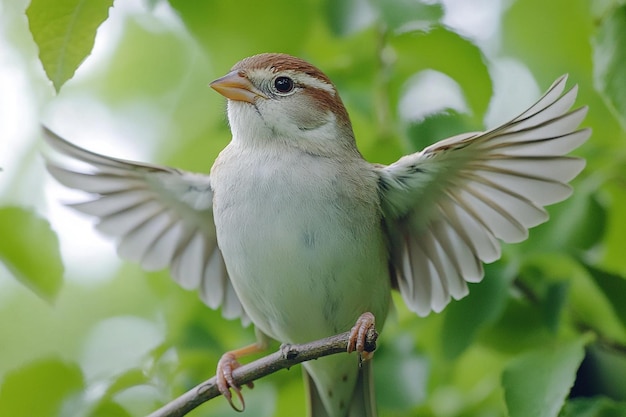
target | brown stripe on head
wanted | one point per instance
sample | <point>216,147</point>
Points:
<point>280,62</point>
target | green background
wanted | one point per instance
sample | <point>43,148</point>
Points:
<point>84,334</point>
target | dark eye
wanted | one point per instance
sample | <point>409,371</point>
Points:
<point>283,84</point>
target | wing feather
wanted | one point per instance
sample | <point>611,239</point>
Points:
<point>512,144</point>
<point>159,217</point>
<point>160,252</point>
<point>471,228</point>
<point>138,242</point>
<point>448,205</point>
<point>114,202</point>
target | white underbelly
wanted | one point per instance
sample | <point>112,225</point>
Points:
<point>301,277</point>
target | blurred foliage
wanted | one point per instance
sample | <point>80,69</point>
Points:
<point>543,335</point>
<point>30,250</point>
<point>609,57</point>
<point>537,382</point>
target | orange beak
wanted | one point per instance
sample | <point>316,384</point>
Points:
<point>236,86</point>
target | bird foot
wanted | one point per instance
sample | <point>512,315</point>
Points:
<point>358,335</point>
<point>225,381</point>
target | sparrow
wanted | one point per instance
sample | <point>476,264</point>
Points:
<point>294,231</point>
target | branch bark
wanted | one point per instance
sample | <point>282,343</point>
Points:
<point>286,357</point>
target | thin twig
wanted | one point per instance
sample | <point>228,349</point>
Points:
<point>286,357</point>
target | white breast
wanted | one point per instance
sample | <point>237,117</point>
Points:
<point>302,240</point>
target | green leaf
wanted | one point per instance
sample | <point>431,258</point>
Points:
<point>545,280</point>
<point>463,61</point>
<point>613,242</point>
<point>65,31</point>
<point>346,17</point>
<point>30,250</point>
<point>537,382</point>
<point>340,16</point>
<point>436,126</point>
<point>228,34</point>
<point>559,36</point>
<point>405,14</point>
<point>603,371</point>
<point>609,61</point>
<point>594,407</point>
<point>614,288</point>
<point>520,327</point>
<point>109,409</point>
<point>592,308</point>
<point>39,388</point>
<point>579,223</point>
<point>128,379</point>
<point>464,318</point>
<point>554,303</point>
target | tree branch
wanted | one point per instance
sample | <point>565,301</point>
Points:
<point>286,357</point>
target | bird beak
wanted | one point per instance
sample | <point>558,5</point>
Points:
<point>236,86</point>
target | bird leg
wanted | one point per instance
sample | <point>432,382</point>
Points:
<point>225,367</point>
<point>358,335</point>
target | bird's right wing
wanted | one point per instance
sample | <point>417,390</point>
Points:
<point>160,217</point>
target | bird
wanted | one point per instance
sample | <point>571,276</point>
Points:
<point>294,231</point>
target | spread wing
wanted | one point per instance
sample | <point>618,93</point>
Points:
<point>447,207</point>
<point>160,217</point>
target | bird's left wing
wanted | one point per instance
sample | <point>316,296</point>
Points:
<point>447,206</point>
<point>160,217</point>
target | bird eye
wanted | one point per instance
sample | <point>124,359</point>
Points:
<point>283,84</point>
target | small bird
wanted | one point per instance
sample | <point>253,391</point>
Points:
<point>294,231</point>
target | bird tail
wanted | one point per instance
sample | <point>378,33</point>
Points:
<point>362,404</point>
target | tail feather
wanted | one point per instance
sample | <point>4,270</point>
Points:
<point>363,403</point>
